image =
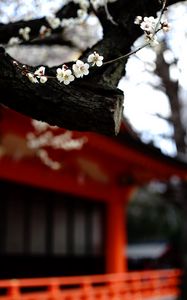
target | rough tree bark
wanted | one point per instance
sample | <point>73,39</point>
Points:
<point>90,104</point>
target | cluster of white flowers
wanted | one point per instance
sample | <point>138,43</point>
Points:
<point>39,75</point>
<point>25,33</point>
<point>41,126</point>
<point>55,22</point>
<point>150,27</point>
<point>148,24</point>
<point>82,13</point>
<point>14,41</point>
<point>45,136</point>
<point>66,75</point>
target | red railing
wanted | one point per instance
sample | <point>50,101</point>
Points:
<point>128,286</point>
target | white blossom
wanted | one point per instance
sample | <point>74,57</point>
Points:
<point>14,41</point>
<point>39,73</point>
<point>138,20</point>
<point>44,31</point>
<point>32,77</point>
<point>82,14</point>
<point>95,59</point>
<point>43,79</point>
<point>24,32</point>
<point>80,68</point>
<point>39,126</point>
<point>64,75</point>
<point>53,21</point>
<point>165,26</point>
<point>148,24</point>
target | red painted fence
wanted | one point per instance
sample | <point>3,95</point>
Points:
<point>128,286</point>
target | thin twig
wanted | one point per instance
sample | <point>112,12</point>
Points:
<point>126,55</point>
<point>109,17</point>
<point>160,16</point>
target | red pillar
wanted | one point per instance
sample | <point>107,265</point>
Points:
<point>116,238</point>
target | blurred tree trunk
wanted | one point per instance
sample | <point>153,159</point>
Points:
<point>172,91</point>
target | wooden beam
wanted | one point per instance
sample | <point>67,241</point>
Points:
<point>161,168</point>
<point>38,175</point>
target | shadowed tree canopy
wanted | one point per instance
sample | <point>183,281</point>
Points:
<point>93,103</point>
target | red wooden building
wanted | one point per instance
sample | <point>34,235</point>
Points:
<point>70,221</point>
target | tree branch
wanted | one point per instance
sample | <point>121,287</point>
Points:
<point>79,106</point>
<point>12,29</point>
<point>92,103</point>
